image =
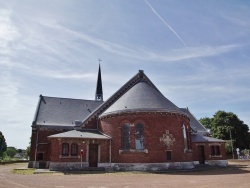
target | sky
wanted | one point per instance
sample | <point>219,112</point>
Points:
<point>197,53</point>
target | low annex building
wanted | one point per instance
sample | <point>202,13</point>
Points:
<point>137,128</point>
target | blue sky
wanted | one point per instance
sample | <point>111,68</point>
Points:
<point>196,52</point>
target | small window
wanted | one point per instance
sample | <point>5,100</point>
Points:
<point>215,150</point>
<point>65,149</point>
<point>126,137</point>
<point>139,137</point>
<point>39,156</point>
<point>74,149</point>
<point>168,155</point>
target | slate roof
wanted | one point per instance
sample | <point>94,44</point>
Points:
<point>62,112</point>
<point>194,123</point>
<point>89,134</point>
<point>135,79</point>
<point>201,138</point>
<point>143,96</point>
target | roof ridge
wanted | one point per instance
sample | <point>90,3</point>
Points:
<point>69,98</point>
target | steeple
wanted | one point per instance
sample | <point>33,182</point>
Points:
<point>98,93</point>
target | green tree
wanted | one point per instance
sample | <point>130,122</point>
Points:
<point>227,125</point>
<point>11,152</point>
<point>206,122</point>
<point>27,152</point>
<point>3,145</point>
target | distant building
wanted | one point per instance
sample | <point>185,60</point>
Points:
<point>137,128</point>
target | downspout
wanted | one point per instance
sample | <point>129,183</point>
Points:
<point>36,145</point>
<point>110,161</point>
<point>97,118</point>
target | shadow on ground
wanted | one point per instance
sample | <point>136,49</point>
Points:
<point>201,170</point>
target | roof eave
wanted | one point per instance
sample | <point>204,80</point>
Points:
<point>144,110</point>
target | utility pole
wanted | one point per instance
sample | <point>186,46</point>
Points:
<point>231,143</point>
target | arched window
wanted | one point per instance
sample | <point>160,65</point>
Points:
<point>185,137</point>
<point>65,149</point>
<point>139,137</point>
<point>126,137</point>
<point>74,149</point>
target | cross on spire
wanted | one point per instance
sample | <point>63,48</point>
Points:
<point>99,60</point>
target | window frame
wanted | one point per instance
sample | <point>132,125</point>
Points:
<point>74,149</point>
<point>215,150</point>
<point>126,134</point>
<point>65,149</point>
<point>139,127</point>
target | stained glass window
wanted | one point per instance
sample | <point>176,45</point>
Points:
<point>139,137</point>
<point>126,137</point>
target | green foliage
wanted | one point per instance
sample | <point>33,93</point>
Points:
<point>206,122</point>
<point>27,152</point>
<point>11,152</point>
<point>3,145</point>
<point>228,146</point>
<point>6,157</point>
<point>227,126</point>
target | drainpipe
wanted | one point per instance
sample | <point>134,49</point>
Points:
<point>110,161</point>
<point>97,118</point>
<point>36,144</point>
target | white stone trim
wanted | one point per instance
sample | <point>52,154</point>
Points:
<point>67,165</point>
<point>69,157</point>
<point>132,166</point>
<point>133,151</point>
<point>217,162</point>
<point>151,166</point>
<point>196,162</point>
<point>215,156</point>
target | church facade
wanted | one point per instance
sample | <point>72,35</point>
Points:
<point>137,128</point>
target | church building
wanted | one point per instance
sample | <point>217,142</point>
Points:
<point>137,128</point>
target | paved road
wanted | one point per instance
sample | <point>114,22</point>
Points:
<point>233,176</point>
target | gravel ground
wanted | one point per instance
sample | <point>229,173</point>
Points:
<point>236,175</point>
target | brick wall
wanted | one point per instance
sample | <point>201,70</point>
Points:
<point>56,147</point>
<point>42,138</point>
<point>43,142</point>
<point>207,150</point>
<point>155,125</point>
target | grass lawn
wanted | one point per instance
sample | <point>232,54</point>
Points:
<point>23,171</point>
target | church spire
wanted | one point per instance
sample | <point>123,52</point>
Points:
<point>99,94</point>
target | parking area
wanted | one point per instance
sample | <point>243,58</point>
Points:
<point>237,174</point>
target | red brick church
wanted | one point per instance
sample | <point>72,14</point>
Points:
<point>137,128</point>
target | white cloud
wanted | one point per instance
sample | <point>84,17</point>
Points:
<point>137,52</point>
<point>40,43</point>
<point>8,32</point>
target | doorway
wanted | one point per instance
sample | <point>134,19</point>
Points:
<point>201,154</point>
<point>93,155</point>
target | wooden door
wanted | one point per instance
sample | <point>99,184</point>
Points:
<point>201,154</point>
<point>93,155</point>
